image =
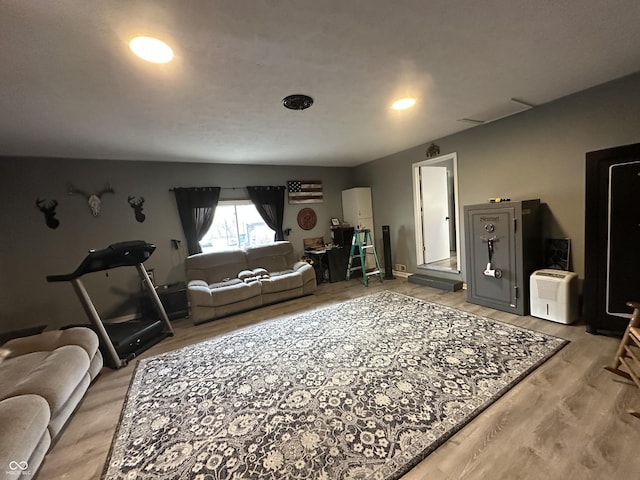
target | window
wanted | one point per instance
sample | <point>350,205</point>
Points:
<point>236,224</point>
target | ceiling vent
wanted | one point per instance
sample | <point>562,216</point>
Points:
<point>297,102</point>
<point>498,111</point>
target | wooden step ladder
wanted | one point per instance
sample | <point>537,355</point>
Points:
<point>626,362</point>
<point>362,240</point>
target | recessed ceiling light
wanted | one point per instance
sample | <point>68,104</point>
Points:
<point>151,49</point>
<point>403,103</point>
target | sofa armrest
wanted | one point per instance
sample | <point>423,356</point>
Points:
<point>197,283</point>
<point>83,337</point>
<point>306,270</point>
<point>199,292</point>
<point>298,265</point>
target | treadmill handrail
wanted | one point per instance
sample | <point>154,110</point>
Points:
<point>122,254</point>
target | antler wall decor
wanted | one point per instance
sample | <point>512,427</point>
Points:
<point>93,199</point>
<point>136,203</point>
<point>49,210</point>
<point>433,150</point>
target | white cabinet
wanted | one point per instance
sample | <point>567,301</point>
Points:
<point>357,208</point>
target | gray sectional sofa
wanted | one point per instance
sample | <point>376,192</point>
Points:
<point>230,281</point>
<point>43,378</point>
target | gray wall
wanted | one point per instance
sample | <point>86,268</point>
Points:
<point>30,250</point>
<point>536,154</point>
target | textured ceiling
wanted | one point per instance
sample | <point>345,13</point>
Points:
<point>71,88</point>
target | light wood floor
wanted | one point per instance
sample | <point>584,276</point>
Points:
<point>567,420</point>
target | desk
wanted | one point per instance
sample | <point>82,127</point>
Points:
<point>330,265</point>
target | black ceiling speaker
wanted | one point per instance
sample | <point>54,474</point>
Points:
<point>297,102</point>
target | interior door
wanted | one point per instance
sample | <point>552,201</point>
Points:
<point>435,213</point>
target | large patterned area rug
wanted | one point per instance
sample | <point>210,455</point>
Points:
<point>362,389</point>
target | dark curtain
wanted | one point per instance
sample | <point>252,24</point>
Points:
<point>269,201</point>
<point>196,207</point>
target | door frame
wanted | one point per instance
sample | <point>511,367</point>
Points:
<point>417,206</point>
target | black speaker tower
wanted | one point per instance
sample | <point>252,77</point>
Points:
<point>386,243</point>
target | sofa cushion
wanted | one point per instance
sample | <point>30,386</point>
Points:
<point>248,276</point>
<point>52,375</point>
<point>23,432</point>
<point>274,257</point>
<point>280,281</point>
<point>217,266</point>
<point>225,283</point>
<point>49,341</point>
<point>234,292</point>
<point>223,293</point>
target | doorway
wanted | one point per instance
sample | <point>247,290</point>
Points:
<point>435,193</point>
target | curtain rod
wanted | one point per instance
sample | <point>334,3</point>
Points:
<point>222,188</point>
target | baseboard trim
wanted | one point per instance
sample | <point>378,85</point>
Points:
<point>401,274</point>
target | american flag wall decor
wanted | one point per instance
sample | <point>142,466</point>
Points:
<point>305,191</point>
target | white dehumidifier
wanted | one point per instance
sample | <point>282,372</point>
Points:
<point>554,295</point>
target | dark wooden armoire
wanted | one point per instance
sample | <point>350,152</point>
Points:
<point>612,238</point>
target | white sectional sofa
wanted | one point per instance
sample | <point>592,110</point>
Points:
<point>43,378</point>
<point>230,281</point>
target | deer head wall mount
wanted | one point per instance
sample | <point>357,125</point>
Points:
<point>136,203</point>
<point>93,199</point>
<point>49,210</point>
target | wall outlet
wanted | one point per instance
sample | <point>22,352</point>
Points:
<point>400,267</point>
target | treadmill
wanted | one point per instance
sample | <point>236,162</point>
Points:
<point>122,341</point>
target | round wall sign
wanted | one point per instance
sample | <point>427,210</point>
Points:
<point>307,218</point>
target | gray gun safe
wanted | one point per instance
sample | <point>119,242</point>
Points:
<point>503,248</point>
